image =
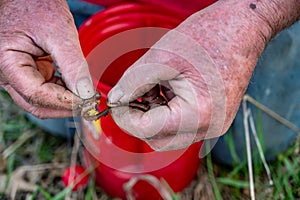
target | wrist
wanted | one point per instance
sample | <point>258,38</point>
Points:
<point>246,24</point>
<point>277,14</point>
<point>234,34</point>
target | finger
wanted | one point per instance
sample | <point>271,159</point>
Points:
<point>139,79</point>
<point>74,70</point>
<point>176,117</point>
<point>31,85</point>
<point>45,67</point>
<point>163,128</point>
<point>182,115</point>
<point>42,113</point>
<point>173,142</point>
<point>65,50</point>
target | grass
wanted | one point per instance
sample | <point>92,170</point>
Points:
<point>22,145</point>
<point>285,173</point>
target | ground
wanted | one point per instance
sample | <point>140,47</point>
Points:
<point>32,162</point>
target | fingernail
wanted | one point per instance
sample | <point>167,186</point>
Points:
<point>115,95</point>
<point>113,104</point>
<point>85,88</point>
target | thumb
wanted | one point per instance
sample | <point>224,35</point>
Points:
<point>140,78</point>
<point>136,81</point>
<point>74,69</point>
<point>66,52</point>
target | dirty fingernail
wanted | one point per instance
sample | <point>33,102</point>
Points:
<point>85,88</point>
<point>113,104</point>
<point>115,95</point>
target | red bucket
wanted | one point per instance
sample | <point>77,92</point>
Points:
<point>112,40</point>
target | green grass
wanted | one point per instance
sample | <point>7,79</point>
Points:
<point>37,148</point>
<point>285,173</point>
<point>45,148</point>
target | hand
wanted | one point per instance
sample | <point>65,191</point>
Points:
<point>206,63</point>
<point>191,85</point>
<point>33,35</point>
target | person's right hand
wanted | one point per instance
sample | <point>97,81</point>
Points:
<point>207,62</point>
<point>33,34</point>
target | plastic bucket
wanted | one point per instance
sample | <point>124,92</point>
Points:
<point>118,156</point>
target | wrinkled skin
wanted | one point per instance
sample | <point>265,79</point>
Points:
<point>33,34</point>
<point>207,61</point>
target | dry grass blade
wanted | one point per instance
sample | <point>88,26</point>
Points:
<point>248,148</point>
<point>18,182</point>
<point>203,189</point>
<point>74,156</point>
<point>270,112</point>
<point>260,150</point>
<point>161,188</point>
<point>247,115</point>
<point>20,141</point>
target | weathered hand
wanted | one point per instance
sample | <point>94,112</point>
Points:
<point>33,34</point>
<point>206,62</point>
